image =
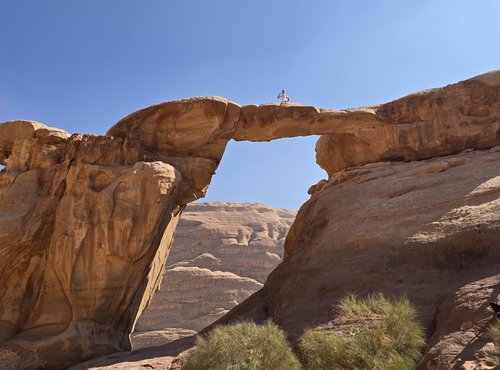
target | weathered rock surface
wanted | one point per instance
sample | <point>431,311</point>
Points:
<point>222,253</point>
<point>189,134</point>
<point>155,338</point>
<point>429,230</point>
<point>87,222</point>
<point>460,338</point>
<point>423,125</point>
<point>166,357</point>
<point>78,253</point>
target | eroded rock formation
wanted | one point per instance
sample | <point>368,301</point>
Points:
<point>222,253</point>
<point>87,221</point>
<point>83,221</point>
<point>427,229</point>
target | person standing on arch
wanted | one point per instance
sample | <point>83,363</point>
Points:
<point>283,97</point>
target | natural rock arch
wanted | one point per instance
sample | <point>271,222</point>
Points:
<point>87,221</point>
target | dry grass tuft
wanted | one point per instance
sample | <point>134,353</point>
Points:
<point>386,336</point>
<point>243,346</point>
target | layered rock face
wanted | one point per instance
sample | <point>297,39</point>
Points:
<point>222,253</point>
<point>87,221</point>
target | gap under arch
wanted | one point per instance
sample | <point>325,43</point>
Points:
<point>276,173</point>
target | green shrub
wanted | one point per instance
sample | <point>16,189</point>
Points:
<point>322,349</point>
<point>495,335</point>
<point>381,334</point>
<point>243,346</point>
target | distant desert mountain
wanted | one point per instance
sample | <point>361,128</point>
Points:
<point>222,253</point>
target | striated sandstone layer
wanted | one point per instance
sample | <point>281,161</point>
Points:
<point>243,238</point>
<point>87,221</point>
<point>428,230</point>
<point>221,254</point>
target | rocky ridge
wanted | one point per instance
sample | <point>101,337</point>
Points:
<point>93,218</point>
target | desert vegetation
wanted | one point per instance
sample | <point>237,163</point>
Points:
<point>243,346</point>
<point>495,335</point>
<point>374,333</point>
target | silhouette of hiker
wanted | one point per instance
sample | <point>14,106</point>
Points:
<point>496,306</point>
<point>283,97</point>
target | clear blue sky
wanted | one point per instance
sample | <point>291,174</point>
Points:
<point>82,65</point>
